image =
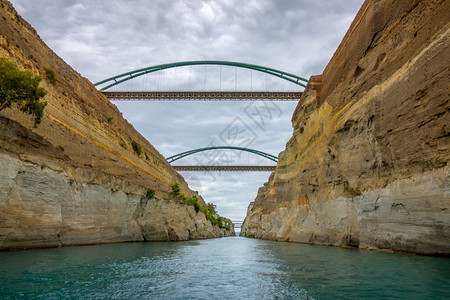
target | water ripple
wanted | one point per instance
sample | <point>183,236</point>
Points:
<point>228,268</point>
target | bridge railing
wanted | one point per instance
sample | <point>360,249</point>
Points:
<point>225,168</point>
<point>203,95</point>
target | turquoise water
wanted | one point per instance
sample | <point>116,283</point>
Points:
<point>227,268</point>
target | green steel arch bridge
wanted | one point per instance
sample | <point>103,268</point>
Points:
<point>178,156</point>
<point>108,83</point>
<point>113,81</point>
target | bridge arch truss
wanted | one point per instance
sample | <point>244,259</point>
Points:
<point>178,156</point>
<point>115,80</point>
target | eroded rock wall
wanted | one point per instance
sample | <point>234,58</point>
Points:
<point>43,207</point>
<point>367,165</point>
<point>75,179</point>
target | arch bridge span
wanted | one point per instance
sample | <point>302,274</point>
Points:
<point>178,156</point>
<point>115,80</point>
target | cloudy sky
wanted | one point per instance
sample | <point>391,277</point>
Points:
<point>101,39</point>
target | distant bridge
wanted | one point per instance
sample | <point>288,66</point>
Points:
<point>214,167</point>
<point>237,224</point>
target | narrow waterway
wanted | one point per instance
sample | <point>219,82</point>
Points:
<point>227,268</point>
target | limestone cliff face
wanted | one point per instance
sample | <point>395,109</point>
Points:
<point>367,165</point>
<point>75,179</point>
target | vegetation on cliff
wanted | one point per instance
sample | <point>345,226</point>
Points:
<point>21,88</point>
<point>175,189</point>
<point>209,211</point>
<point>136,147</point>
<point>51,76</point>
<point>150,194</point>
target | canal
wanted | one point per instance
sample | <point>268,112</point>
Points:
<point>226,268</point>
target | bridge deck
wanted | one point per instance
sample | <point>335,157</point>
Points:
<point>205,95</point>
<point>237,224</point>
<point>225,168</point>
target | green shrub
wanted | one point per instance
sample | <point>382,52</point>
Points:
<point>150,194</point>
<point>51,76</point>
<point>136,147</point>
<point>197,206</point>
<point>175,189</point>
<point>219,222</point>
<point>146,156</point>
<point>212,208</point>
<point>109,119</point>
<point>194,201</point>
<point>266,183</point>
<point>21,88</point>
<point>209,211</point>
<point>226,223</point>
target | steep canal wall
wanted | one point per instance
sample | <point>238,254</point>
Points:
<point>367,165</point>
<point>76,179</point>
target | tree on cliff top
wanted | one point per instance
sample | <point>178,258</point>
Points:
<point>21,88</point>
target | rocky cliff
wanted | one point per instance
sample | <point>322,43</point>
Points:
<point>75,179</point>
<point>367,165</point>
